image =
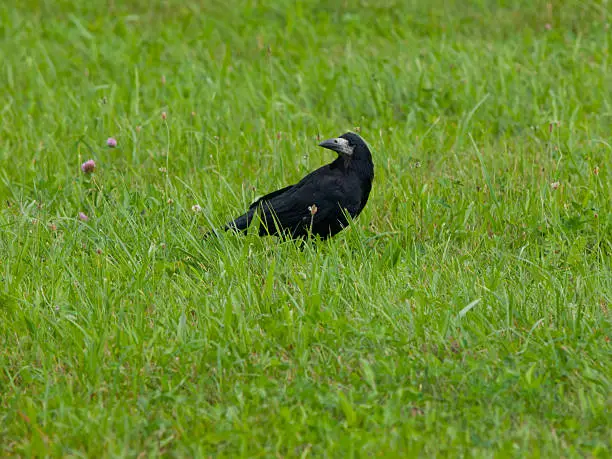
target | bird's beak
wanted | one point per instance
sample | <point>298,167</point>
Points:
<point>339,145</point>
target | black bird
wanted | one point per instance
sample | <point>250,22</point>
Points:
<point>320,202</point>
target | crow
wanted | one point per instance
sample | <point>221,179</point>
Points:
<point>321,202</point>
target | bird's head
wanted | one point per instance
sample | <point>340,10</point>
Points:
<point>348,145</point>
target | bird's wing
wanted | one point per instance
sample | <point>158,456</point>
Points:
<point>269,196</point>
<point>295,205</point>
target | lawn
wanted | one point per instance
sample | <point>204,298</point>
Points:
<point>466,312</point>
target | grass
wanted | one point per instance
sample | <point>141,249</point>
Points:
<point>466,312</point>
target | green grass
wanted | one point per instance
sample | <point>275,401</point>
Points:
<point>466,312</point>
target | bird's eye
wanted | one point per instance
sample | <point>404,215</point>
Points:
<point>335,140</point>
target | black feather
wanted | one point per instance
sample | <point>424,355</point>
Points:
<point>320,202</point>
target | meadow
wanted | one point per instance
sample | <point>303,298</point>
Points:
<point>466,312</point>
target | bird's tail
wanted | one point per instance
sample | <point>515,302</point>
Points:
<point>240,224</point>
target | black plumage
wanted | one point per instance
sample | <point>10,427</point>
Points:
<point>320,202</point>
